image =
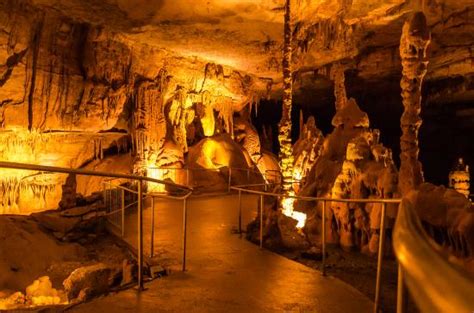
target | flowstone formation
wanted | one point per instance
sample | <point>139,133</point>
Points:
<point>413,45</point>
<point>306,150</point>
<point>351,162</point>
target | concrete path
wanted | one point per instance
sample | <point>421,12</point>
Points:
<point>225,273</point>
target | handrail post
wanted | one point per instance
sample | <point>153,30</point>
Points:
<point>117,201</point>
<point>140,236</point>
<point>323,239</point>
<point>187,177</point>
<point>104,184</point>
<point>401,292</point>
<point>185,220</point>
<point>111,205</point>
<point>380,257</point>
<point>152,235</point>
<point>123,212</point>
<point>240,212</point>
<point>230,179</point>
<point>261,221</point>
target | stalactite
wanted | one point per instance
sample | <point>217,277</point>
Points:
<point>337,75</point>
<point>225,114</point>
<point>12,187</point>
<point>284,136</point>
<point>413,44</point>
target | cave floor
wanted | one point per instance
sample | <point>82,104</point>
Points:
<point>225,273</point>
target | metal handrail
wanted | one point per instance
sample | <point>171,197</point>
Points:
<point>140,179</point>
<point>384,203</point>
<point>65,170</point>
<point>154,194</point>
<point>435,284</point>
<point>304,198</point>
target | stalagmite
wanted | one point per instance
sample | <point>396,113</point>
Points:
<point>413,45</point>
<point>284,136</point>
<point>459,178</point>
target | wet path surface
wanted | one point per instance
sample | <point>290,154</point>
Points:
<point>225,273</point>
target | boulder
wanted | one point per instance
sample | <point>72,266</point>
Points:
<point>55,222</point>
<point>88,281</point>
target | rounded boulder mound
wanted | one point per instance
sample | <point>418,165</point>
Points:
<point>210,160</point>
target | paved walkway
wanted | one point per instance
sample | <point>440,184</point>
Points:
<point>224,272</point>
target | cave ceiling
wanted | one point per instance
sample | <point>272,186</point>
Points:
<point>247,36</point>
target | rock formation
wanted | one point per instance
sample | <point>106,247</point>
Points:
<point>459,178</point>
<point>284,128</point>
<point>413,44</point>
<point>307,150</point>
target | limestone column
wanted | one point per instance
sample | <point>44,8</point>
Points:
<point>413,45</point>
<point>284,135</point>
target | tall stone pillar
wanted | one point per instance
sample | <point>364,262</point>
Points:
<point>284,135</point>
<point>413,45</point>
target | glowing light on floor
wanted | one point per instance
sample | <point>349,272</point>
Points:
<point>288,210</point>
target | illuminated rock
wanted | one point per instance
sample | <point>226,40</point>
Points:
<point>248,137</point>
<point>41,292</point>
<point>210,159</point>
<point>307,150</point>
<point>459,178</point>
<point>24,192</point>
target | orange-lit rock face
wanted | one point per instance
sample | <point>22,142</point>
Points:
<point>24,192</point>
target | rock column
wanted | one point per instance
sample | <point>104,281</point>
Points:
<point>284,136</point>
<point>413,45</point>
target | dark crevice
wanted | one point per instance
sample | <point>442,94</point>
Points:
<point>35,45</point>
<point>12,61</point>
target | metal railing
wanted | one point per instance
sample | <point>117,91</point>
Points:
<point>123,206</point>
<point>419,260</point>
<point>139,179</point>
<point>384,202</point>
<point>435,284</point>
<point>190,172</point>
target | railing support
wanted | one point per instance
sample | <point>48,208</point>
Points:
<point>380,257</point>
<point>140,236</point>
<point>261,221</point>
<point>240,213</point>
<point>117,203</point>
<point>401,292</point>
<point>187,177</point>
<point>230,179</point>
<point>185,220</point>
<point>122,210</point>
<point>111,204</point>
<point>152,234</point>
<point>323,239</point>
<point>105,195</point>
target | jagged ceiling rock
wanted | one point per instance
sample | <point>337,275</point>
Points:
<point>246,36</point>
